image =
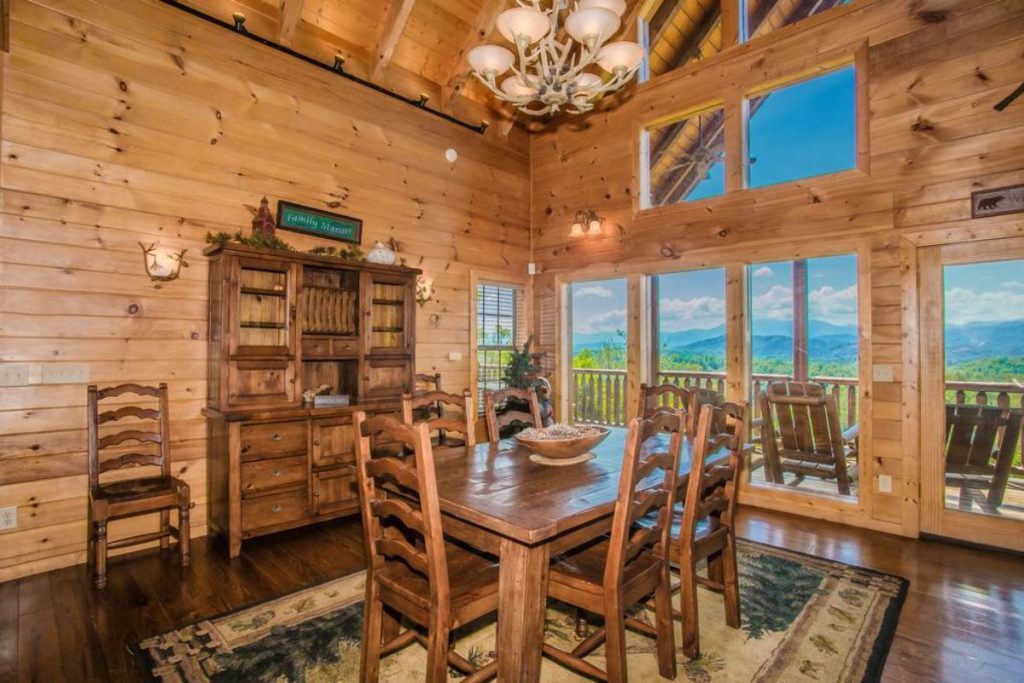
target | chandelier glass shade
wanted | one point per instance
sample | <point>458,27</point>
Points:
<point>551,66</point>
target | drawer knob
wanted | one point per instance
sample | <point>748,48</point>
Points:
<point>275,473</point>
<point>316,443</point>
<point>276,437</point>
<point>275,508</point>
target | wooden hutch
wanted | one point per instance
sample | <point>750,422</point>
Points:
<point>281,323</point>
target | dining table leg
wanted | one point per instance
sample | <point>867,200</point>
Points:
<point>522,600</point>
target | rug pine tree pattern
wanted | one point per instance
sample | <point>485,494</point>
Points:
<point>804,619</point>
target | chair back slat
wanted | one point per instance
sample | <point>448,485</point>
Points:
<point>129,435</point>
<point>642,492</point>
<point>714,469</point>
<point>494,399</point>
<point>129,411</point>
<point>129,460</point>
<point>697,398</point>
<point>434,405</point>
<point>160,416</point>
<point>400,508</point>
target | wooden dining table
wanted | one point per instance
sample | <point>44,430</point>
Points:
<point>498,500</point>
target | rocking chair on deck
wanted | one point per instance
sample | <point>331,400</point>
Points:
<point>801,435</point>
<point>980,445</point>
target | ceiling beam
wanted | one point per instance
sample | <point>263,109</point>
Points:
<point>287,20</point>
<point>396,16</point>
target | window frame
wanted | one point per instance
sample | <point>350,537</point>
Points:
<point>524,325</point>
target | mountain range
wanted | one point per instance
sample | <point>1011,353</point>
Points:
<point>828,342</point>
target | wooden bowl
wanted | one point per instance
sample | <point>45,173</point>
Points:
<point>563,449</point>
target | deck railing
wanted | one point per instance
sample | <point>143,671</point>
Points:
<point>599,395</point>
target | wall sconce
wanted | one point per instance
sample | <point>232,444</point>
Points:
<point>586,224</point>
<point>424,289</point>
<point>163,263</point>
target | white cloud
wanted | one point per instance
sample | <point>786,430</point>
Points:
<point>607,321</point>
<point>1014,284</point>
<point>697,313</point>
<point>593,290</point>
<point>966,306</point>
<point>837,306</point>
<point>775,304</point>
<point>763,271</point>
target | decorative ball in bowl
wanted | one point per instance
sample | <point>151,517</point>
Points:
<point>562,441</point>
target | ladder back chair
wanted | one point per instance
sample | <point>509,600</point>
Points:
<point>980,445</point>
<point>437,586</point>
<point>611,575</point>
<point>127,497</point>
<point>423,384</point>
<point>801,435</point>
<point>495,422</point>
<point>441,421</point>
<point>661,397</point>
<point>703,525</point>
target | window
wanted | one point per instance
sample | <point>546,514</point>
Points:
<point>804,326</point>
<point>684,159</point>
<point>675,33</point>
<point>598,348</point>
<point>802,130</point>
<point>499,325</point>
<point>689,327</point>
<point>761,17</point>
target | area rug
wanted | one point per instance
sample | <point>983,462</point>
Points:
<point>804,619</point>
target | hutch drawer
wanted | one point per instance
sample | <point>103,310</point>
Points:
<point>335,490</point>
<point>273,440</point>
<point>273,510</point>
<point>274,473</point>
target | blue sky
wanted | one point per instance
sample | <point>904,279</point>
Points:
<point>984,292</point>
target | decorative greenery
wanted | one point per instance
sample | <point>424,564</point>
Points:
<point>348,253</point>
<point>255,241</point>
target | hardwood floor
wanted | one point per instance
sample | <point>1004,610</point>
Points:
<point>963,619</point>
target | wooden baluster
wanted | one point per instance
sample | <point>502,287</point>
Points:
<point>961,397</point>
<point>618,401</point>
<point>590,396</point>
<point>851,405</point>
<point>981,398</point>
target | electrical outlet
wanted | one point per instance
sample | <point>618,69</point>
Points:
<point>13,375</point>
<point>8,518</point>
<point>65,373</point>
<point>531,268</point>
<point>882,373</point>
<point>884,483</point>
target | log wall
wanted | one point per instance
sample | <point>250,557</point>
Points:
<point>934,70</point>
<point>131,121</point>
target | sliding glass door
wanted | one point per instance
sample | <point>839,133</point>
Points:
<point>972,395</point>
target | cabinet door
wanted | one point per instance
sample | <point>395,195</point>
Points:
<point>386,377</point>
<point>262,317</point>
<point>335,491</point>
<point>333,442</point>
<point>388,303</point>
<point>253,382</point>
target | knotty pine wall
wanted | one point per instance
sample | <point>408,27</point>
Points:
<point>131,121</point>
<point>935,68</point>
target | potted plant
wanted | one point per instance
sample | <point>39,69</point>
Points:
<point>523,372</point>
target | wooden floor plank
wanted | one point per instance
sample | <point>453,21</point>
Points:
<point>962,620</point>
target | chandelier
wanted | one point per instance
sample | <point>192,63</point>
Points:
<point>549,69</point>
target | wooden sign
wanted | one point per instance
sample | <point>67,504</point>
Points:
<point>997,202</point>
<point>334,226</point>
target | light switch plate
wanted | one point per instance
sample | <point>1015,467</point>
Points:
<point>882,373</point>
<point>13,374</point>
<point>8,518</point>
<point>531,268</point>
<point>884,483</point>
<point>454,355</point>
<point>65,373</point>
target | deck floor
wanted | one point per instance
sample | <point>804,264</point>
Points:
<point>963,619</point>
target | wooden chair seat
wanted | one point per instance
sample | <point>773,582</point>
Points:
<point>133,490</point>
<point>473,579</point>
<point>582,571</point>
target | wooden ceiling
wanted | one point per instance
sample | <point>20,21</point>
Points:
<point>408,46</point>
